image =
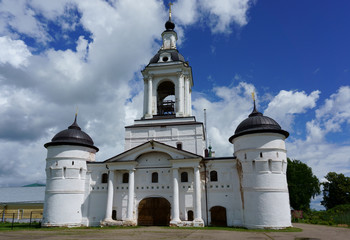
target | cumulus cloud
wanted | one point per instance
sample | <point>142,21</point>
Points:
<point>317,149</point>
<point>220,15</point>
<point>14,52</point>
<point>225,111</point>
<point>223,13</point>
<point>286,104</point>
<point>95,75</point>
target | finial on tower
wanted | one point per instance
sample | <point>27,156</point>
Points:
<point>255,112</point>
<point>76,114</point>
<point>169,25</point>
<point>170,10</point>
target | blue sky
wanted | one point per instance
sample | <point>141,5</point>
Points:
<point>56,56</point>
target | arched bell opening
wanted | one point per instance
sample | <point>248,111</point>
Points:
<point>166,98</point>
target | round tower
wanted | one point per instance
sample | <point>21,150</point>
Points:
<point>67,154</point>
<point>259,146</point>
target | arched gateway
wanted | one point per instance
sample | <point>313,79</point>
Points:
<point>154,211</point>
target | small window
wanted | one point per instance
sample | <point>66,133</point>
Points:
<point>72,163</point>
<point>190,215</point>
<point>126,178</point>
<point>184,177</point>
<point>64,172</point>
<point>213,176</point>
<point>165,59</point>
<point>261,155</point>
<point>114,214</point>
<point>245,156</point>
<point>104,178</point>
<point>179,146</point>
<point>154,177</point>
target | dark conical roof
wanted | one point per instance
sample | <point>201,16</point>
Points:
<point>72,136</point>
<point>258,123</point>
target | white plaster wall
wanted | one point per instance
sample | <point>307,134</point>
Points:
<point>65,184</point>
<point>264,163</point>
<point>191,137</point>
<point>225,192</point>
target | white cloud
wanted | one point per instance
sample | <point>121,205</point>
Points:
<point>186,12</point>
<point>317,149</point>
<point>232,106</point>
<point>223,13</point>
<point>335,111</point>
<point>20,17</point>
<point>14,52</point>
<point>287,104</point>
<point>38,101</point>
<point>220,15</point>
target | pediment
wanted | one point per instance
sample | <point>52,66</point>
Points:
<point>160,150</point>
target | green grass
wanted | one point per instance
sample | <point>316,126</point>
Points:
<point>19,226</point>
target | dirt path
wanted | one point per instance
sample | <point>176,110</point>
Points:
<point>313,232</point>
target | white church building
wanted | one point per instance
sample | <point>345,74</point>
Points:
<point>165,176</point>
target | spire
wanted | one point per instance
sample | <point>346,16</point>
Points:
<point>255,112</point>
<point>75,124</point>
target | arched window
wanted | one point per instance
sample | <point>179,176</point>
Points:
<point>190,215</point>
<point>213,176</point>
<point>184,177</point>
<point>125,177</point>
<point>154,177</point>
<point>104,178</point>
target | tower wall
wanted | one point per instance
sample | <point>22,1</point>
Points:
<point>65,184</point>
<point>264,183</point>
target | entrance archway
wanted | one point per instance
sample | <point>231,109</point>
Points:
<point>154,211</point>
<point>218,216</point>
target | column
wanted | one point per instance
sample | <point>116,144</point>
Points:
<point>180,90</point>
<point>187,96</point>
<point>145,97</point>
<point>198,206</point>
<point>131,195</point>
<point>149,109</point>
<point>110,192</point>
<point>175,207</point>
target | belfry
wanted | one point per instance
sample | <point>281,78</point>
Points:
<point>164,176</point>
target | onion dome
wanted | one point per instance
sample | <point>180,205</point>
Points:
<point>169,25</point>
<point>257,123</point>
<point>72,136</point>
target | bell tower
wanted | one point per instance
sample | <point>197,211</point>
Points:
<point>167,112</point>
<point>167,80</point>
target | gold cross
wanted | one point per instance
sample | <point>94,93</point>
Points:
<point>253,96</point>
<point>170,9</point>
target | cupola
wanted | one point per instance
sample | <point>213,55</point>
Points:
<point>257,123</point>
<point>72,136</point>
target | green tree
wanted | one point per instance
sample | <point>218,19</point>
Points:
<point>336,190</point>
<point>302,184</point>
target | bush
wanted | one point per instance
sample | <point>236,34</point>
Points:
<point>339,215</point>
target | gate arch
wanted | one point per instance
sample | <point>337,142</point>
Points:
<point>218,216</point>
<point>154,211</point>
